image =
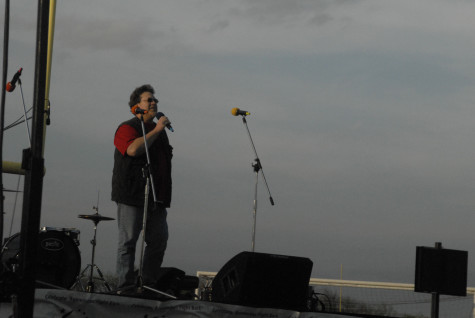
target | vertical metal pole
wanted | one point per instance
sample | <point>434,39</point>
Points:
<point>435,305</point>
<point>6,33</point>
<point>34,162</point>
<point>435,295</point>
<point>90,283</point>
<point>253,245</point>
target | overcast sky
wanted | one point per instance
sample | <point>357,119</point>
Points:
<point>362,113</point>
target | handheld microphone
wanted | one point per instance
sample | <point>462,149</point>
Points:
<point>160,114</point>
<point>11,85</point>
<point>236,111</point>
<point>137,110</point>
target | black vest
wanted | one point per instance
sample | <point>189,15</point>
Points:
<point>128,182</point>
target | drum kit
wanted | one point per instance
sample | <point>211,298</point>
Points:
<point>58,260</point>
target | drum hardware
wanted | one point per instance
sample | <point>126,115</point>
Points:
<point>96,218</point>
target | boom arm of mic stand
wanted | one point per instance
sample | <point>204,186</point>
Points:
<point>258,161</point>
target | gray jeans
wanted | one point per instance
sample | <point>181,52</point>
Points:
<point>130,221</point>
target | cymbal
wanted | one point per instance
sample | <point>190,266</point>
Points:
<point>95,217</point>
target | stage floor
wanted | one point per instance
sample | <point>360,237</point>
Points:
<point>53,303</point>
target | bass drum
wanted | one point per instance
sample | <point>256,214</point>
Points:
<point>58,261</point>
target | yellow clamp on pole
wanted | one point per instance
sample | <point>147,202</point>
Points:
<point>12,167</point>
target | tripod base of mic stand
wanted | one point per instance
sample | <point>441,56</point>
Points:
<point>140,291</point>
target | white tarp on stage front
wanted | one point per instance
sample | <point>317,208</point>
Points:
<point>51,303</point>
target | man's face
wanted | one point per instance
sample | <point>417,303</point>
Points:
<point>149,103</point>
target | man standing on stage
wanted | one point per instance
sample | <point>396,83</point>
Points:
<point>128,186</point>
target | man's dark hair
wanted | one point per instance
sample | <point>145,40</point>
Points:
<point>135,96</point>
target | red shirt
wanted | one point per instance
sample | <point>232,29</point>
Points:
<point>126,134</point>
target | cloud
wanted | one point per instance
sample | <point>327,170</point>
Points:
<point>103,34</point>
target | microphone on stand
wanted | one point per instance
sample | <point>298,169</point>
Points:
<point>137,110</point>
<point>169,126</point>
<point>10,87</point>
<point>236,111</point>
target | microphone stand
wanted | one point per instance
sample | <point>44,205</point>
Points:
<point>148,184</point>
<point>257,167</point>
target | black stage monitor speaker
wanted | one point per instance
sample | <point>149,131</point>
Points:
<point>264,280</point>
<point>441,271</point>
<point>173,281</point>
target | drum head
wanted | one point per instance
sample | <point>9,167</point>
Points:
<point>58,261</point>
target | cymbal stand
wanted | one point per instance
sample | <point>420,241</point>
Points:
<point>92,266</point>
<point>257,166</point>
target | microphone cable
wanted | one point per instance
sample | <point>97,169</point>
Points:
<point>21,120</point>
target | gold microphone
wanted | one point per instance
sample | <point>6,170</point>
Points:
<point>236,111</point>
